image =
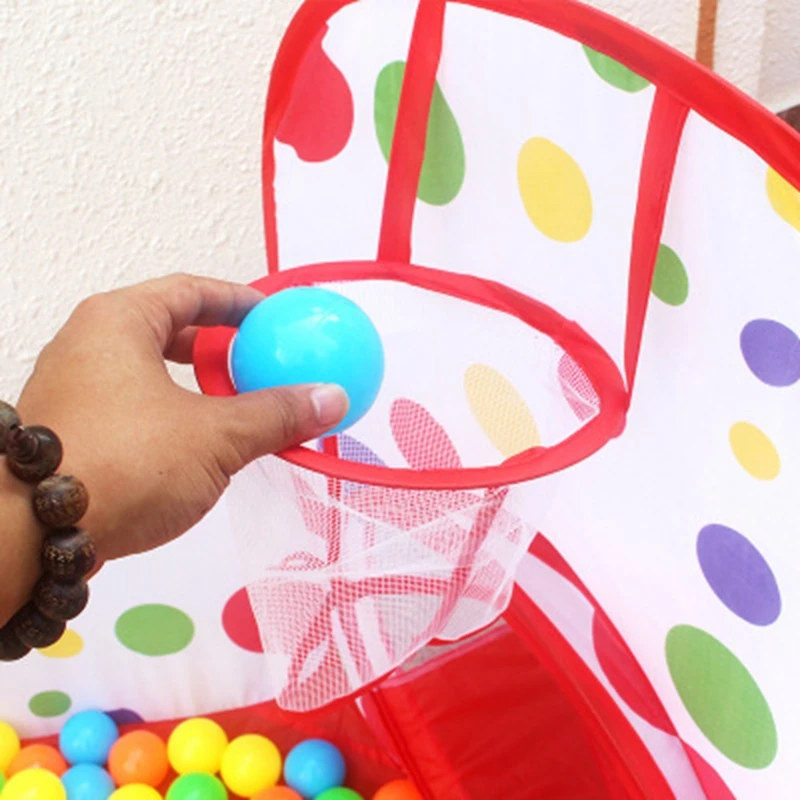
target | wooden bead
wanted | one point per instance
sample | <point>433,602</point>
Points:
<point>33,453</point>
<point>8,419</point>
<point>69,554</point>
<point>11,648</point>
<point>35,629</point>
<point>60,600</point>
<point>60,501</point>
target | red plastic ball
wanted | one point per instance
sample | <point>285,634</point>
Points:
<point>138,757</point>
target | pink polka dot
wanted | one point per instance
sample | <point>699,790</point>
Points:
<point>240,623</point>
<point>626,676</point>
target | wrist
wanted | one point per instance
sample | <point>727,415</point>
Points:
<point>20,545</point>
<point>47,556</point>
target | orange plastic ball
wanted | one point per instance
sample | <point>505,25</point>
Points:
<point>398,790</point>
<point>38,756</point>
<point>278,793</point>
<point>138,757</point>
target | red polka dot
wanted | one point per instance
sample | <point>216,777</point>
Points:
<point>712,784</point>
<point>625,674</point>
<point>240,623</point>
<point>319,118</point>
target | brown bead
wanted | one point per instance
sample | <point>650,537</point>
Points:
<point>60,600</point>
<point>35,629</point>
<point>69,554</point>
<point>8,419</point>
<point>60,501</point>
<point>11,648</point>
<point>33,453</point>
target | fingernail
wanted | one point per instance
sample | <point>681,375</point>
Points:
<point>331,404</point>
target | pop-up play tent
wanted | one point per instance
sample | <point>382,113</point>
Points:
<point>558,558</point>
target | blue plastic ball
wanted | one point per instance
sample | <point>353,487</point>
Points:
<point>314,766</point>
<point>87,782</point>
<point>309,335</point>
<point>87,737</point>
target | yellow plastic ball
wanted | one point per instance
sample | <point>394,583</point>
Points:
<point>134,791</point>
<point>196,745</point>
<point>250,764</point>
<point>9,745</point>
<point>34,784</point>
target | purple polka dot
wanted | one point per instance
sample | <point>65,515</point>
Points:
<point>351,449</point>
<point>772,351</point>
<point>124,716</point>
<point>738,574</point>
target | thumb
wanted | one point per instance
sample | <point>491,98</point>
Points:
<point>261,423</point>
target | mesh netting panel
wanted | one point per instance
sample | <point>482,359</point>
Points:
<point>347,580</point>
<point>465,385</point>
<point>346,585</point>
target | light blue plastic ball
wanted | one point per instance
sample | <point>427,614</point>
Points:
<point>87,782</point>
<point>314,766</point>
<point>310,335</point>
<point>87,737</point>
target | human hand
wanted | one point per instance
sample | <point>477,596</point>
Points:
<point>154,456</point>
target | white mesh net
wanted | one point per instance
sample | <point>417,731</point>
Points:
<point>348,580</point>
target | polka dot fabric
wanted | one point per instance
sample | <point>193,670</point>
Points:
<point>694,506</point>
<point>683,528</point>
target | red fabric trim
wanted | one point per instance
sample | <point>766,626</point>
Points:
<point>411,132</point>
<point>655,181</point>
<point>703,91</point>
<point>211,368</point>
<point>633,765</point>
<point>304,28</point>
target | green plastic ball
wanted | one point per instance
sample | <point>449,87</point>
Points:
<point>197,786</point>
<point>339,793</point>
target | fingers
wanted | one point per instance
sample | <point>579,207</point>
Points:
<point>174,303</point>
<point>256,424</point>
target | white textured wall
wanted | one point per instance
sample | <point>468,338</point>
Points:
<point>130,137</point>
<point>129,147</point>
<point>779,83</point>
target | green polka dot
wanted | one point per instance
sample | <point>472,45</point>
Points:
<point>50,704</point>
<point>443,167</point>
<point>613,72</point>
<point>2,781</point>
<point>670,280</point>
<point>155,630</point>
<point>721,697</point>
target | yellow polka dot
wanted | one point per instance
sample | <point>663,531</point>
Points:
<point>784,197</point>
<point>754,451</point>
<point>69,645</point>
<point>554,191</point>
<point>500,410</point>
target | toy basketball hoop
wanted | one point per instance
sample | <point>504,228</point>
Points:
<point>411,525</point>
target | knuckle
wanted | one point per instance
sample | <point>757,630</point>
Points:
<point>92,306</point>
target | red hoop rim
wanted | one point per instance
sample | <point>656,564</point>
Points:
<point>211,368</point>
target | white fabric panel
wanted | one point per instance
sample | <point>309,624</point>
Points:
<point>508,81</point>
<point>628,519</point>
<point>331,211</point>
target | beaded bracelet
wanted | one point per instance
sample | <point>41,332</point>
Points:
<point>34,454</point>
